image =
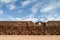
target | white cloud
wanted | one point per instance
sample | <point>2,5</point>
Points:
<point>36,7</point>
<point>27,19</point>
<point>53,5</point>
<point>34,10</point>
<point>22,19</point>
<point>42,19</point>
<point>50,9</point>
<point>50,18</point>
<point>18,19</point>
<point>11,6</point>
<point>27,2</point>
<point>7,1</point>
<point>46,9</point>
<point>31,19</point>
<point>1,11</point>
<point>53,18</point>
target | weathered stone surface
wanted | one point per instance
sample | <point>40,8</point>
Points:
<point>29,28</point>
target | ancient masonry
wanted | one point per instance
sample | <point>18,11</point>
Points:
<point>29,28</point>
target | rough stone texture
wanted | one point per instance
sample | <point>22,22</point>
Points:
<point>29,28</point>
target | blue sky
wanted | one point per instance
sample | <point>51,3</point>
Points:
<point>29,10</point>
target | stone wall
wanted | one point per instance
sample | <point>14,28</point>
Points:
<point>29,28</point>
<point>53,23</point>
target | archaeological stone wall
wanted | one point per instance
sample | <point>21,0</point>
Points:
<point>29,28</point>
